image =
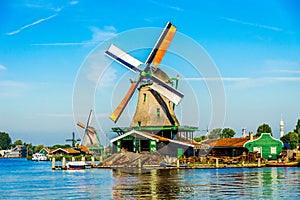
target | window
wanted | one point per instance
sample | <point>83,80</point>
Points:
<point>273,150</point>
<point>145,97</point>
<point>158,112</point>
<point>139,123</point>
<point>257,149</point>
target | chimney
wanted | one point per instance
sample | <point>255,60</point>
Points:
<point>251,135</point>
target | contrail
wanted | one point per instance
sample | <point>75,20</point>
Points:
<point>32,24</point>
<point>252,24</point>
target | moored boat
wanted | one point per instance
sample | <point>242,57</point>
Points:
<point>39,157</point>
<point>76,165</point>
<point>282,164</point>
<point>164,164</point>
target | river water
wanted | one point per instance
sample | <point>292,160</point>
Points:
<point>22,179</point>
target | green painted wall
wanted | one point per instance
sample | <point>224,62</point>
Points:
<point>119,146</point>
<point>265,144</point>
<point>179,153</point>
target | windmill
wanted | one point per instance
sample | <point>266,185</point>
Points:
<point>73,140</point>
<point>154,84</point>
<point>90,137</point>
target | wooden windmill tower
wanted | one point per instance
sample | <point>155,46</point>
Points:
<point>156,98</point>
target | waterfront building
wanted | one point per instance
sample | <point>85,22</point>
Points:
<point>80,150</point>
<point>144,142</point>
<point>20,151</point>
<point>266,145</point>
<point>231,147</point>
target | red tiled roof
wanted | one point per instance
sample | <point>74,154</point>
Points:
<point>83,148</point>
<point>67,150</point>
<point>48,150</point>
<point>226,142</point>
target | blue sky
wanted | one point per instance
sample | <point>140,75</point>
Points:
<point>255,46</point>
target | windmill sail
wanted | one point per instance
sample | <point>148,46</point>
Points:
<point>117,113</point>
<point>171,95</point>
<point>123,58</point>
<point>162,45</point>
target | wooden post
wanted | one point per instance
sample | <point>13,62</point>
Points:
<point>258,163</point>
<point>217,162</point>
<point>139,163</point>
<point>53,163</point>
<point>73,159</point>
<point>101,159</point>
<point>177,163</point>
<point>64,166</point>
<point>93,161</point>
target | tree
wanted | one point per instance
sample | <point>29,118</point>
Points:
<point>38,148</point>
<point>5,140</point>
<point>199,139</point>
<point>30,149</point>
<point>61,146</point>
<point>297,129</point>
<point>264,128</point>
<point>292,139</point>
<point>17,142</point>
<point>215,133</point>
<point>227,133</point>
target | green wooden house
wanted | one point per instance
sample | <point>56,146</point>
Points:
<point>266,145</point>
<point>141,141</point>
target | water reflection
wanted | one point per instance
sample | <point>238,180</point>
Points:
<point>27,180</point>
<point>156,184</point>
<point>241,183</point>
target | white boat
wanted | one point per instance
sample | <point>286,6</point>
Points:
<point>39,157</point>
<point>76,165</point>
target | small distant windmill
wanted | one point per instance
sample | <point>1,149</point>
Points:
<point>73,140</point>
<point>90,137</point>
<point>155,93</point>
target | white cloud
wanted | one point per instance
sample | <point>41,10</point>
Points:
<point>61,44</point>
<point>96,66</point>
<point>68,115</point>
<point>2,67</point>
<point>280,64</point>
<point>176,8</point>
<point>10,88</point>
<point>98,35</point>
<point>73,2</point>
<point>59,115</point>
<point>281,78</point>
<point>273,28</point>
<point>286,71</point>
<point>234,79</point>
<point>247,82</point>
<point>108,78</point>
<point>31,24</point>
<point>10,83</point>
